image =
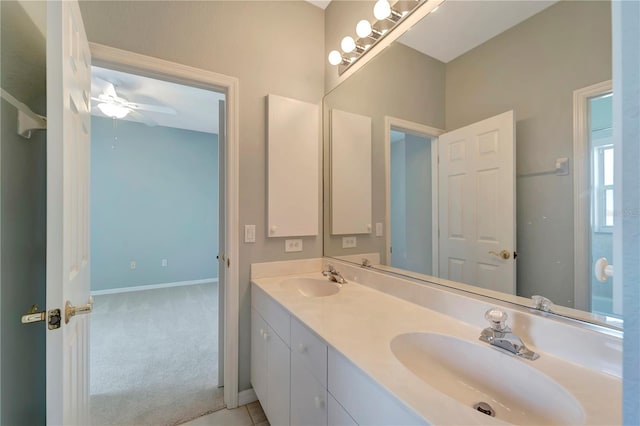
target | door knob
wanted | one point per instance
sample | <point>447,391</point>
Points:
<point>71,311</point>
<point>503,254</point>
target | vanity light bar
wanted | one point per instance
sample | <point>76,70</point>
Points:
<point>370,34</point>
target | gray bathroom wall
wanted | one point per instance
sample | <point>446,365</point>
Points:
<point>23,222</point>
<point>534,68</point>
<point>271,47</point>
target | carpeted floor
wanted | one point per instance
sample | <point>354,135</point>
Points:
<point>154,356</point>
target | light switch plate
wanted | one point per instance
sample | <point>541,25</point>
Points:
<point>378,229</point>
<point>249,233</point>
<point>349,242</point>
<point>292,245</point>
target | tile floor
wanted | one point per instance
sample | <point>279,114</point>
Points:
<point>247,415</point>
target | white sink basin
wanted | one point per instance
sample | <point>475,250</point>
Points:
<point>473,373</point>
<point>311,287</point>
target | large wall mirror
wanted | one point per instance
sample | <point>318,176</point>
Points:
<point>491,155</point>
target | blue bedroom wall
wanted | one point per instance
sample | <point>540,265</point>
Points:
<point>154,196</point>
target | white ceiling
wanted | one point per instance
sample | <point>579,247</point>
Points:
<point>196,109</point>
<point>458,26</point>
<point>322,4</point>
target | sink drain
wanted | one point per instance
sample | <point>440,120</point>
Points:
<point>484,408</point>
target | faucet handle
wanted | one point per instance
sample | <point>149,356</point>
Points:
<point>330,270</point>
<point>497,319</point>
<point>542,303</point>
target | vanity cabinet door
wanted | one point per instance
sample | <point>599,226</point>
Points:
<point>258,355</point>
<point>270,370</point>
<point>308,396</point>
<point>278,379</point>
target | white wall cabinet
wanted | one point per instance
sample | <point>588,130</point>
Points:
<point>293,158</point>
<point>300,380</point>
<point>351,210</point>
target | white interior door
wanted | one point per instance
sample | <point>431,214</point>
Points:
<point>477,204</point>
<point>68,155</point>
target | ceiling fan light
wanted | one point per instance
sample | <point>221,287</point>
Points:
<point>113,110</point>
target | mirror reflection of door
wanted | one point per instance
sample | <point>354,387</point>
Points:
<point>602,218</point>
<point>477,222</point>
<point>411,202</point>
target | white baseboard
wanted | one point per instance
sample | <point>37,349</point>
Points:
<point>152,286</point>
<point>247,397</point>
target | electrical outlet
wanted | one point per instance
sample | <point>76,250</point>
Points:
<point>132,265</point>
<point>164,263</point>
<point>349,242</point>
<point>292,245</point>
<point>378,229</point>
<point>249,233</point>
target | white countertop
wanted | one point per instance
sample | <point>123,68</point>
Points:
<point>360,323</point>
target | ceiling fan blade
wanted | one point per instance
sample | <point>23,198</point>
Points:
<point>151,108</point>
<point>110,90</point>
<point>142,119</point>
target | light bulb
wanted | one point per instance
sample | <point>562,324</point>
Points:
<point>335,57</point>
<point>348,44</point>
<point>363,29</point>
<point>382,9</point>
<point>113,110</point>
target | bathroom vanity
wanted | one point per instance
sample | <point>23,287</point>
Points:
<point>386,350</point>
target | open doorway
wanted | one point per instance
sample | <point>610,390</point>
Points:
<point>155,234</point>
<point>411,202</point>
<point>412,196</point>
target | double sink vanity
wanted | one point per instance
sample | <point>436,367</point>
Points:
<point>379,349</point>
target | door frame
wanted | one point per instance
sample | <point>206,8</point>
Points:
<point>420,130</point>
<point>582,269</point>
<point>123,60</point>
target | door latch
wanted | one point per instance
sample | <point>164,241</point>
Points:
<point>33,315</point>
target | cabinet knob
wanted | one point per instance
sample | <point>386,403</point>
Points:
<point>319,402</point>
<point>265,335</point>
<point>302,348</point>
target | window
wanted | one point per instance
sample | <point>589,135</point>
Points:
<point>603,187</point>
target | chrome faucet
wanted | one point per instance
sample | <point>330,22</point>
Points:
<point>333,275</point>
<point>500,335</point>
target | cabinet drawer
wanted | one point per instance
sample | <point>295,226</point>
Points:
<point>365,401</point>
<point>275,315</point>
<point>309,350</point>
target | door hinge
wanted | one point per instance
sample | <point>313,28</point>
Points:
<point>228,263</point>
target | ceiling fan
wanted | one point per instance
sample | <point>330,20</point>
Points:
<point>115,106</point>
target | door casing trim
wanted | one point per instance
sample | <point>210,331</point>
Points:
<point>581,186</point>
